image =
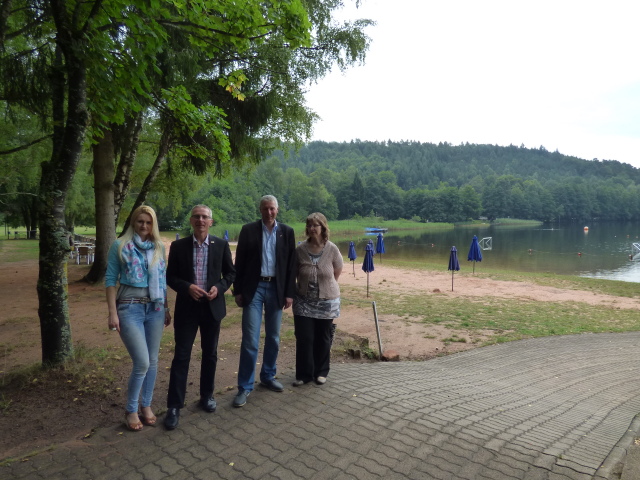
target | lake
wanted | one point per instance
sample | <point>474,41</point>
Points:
<point>602,251</point>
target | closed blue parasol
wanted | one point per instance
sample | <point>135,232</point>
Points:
<point>352,256</point>
<point>380,246</point>
<point>475,254</point>
<point>226,235</point>
<point>454,265</point>
<point>367,265</point>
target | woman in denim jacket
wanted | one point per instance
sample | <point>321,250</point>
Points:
<point>138,309</point>
<point>317,301</point>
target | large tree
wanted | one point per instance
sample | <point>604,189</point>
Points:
<point>273,76</point>
<point>53,53</point>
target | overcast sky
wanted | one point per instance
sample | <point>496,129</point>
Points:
<point>561,74</point>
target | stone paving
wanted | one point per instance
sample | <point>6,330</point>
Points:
<point>551,408</point>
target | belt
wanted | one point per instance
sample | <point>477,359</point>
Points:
<point>142,300</point>
<point>267,279</point>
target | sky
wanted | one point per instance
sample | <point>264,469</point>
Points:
<point>560,74</point>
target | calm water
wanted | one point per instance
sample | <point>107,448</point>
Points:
<point>602,252</point>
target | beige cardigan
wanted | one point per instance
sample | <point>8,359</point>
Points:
<point>330,260</point>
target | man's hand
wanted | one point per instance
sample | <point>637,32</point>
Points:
<point>239,300</point>
<point>196,292</point>
<point>288,302</point>
<point>213,293</point>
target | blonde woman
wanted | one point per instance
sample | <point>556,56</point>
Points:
<point>317,301</point>
<point>138,308</point>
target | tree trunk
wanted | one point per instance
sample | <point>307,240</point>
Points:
<point>103,168</point>
<point>111,191</point>
<point>163,150</point>
<point>57,175</point>
<point>126,140</point>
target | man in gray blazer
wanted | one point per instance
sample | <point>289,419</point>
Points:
<point>264,280</point>
<point>200,270</point>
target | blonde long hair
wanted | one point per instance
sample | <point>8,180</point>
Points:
<point>158,251</point>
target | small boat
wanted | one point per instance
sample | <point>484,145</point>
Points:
<point>375,230</point>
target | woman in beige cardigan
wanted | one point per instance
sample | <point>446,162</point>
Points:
<point>317,301</point>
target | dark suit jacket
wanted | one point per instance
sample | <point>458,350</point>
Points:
<point>249,262</point>
<point>180,275</point>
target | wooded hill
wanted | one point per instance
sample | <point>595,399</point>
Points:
<point>420,181</point>
<point>454,183</point>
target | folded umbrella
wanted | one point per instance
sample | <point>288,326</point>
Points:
<point>380,246</point>
<point>454,265</point>
<point>475,254</point>
<point>352,256</point>
<point>367,265</point>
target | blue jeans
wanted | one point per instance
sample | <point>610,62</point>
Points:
<point>266,297</point>
<point>141,331</point>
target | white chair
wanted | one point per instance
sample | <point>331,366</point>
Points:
<point>84,251</point>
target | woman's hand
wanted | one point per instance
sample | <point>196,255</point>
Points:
<point>167,318</point>
<point>113,321</point>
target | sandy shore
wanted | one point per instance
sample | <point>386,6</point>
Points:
<point>417,340</point>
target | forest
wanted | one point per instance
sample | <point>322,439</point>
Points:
<point>412,180</point>
<point>391,180</point>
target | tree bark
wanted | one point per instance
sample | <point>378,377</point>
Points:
<point>103,168</point>
<point>163,151</point>
<point>57,175</point>
<point>126,142</point>
<point>111,189</point>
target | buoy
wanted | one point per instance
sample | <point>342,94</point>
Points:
<point>586,229</point>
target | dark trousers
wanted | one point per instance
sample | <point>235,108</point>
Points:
<point>185,330</point>
<point>313,347</point>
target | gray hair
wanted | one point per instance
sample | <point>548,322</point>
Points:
<point>202,206</point>
<point>269,198</point>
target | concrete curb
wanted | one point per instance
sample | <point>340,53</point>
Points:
<point>614,464</point>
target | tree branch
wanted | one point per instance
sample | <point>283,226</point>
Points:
<point>215,30</point>
<point>25,146</point>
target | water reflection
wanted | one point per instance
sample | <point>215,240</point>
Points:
<point>602,252</point>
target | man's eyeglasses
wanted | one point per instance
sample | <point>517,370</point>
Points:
<point>200,217</point>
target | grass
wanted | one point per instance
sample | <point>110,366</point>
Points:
<point>500,320</point>
<point>18,250</point>
<point>89,372</point>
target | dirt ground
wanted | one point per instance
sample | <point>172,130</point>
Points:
<point>44,413</point>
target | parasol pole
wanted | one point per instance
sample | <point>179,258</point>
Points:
<point>452,280</point>
<point>367,284</point>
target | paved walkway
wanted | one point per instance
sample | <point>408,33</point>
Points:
<point>550,408</point>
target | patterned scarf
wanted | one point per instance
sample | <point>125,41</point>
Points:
<point>133,254</point>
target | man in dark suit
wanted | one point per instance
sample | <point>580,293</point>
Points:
<point>200,270</point>
<point>264,279</point>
